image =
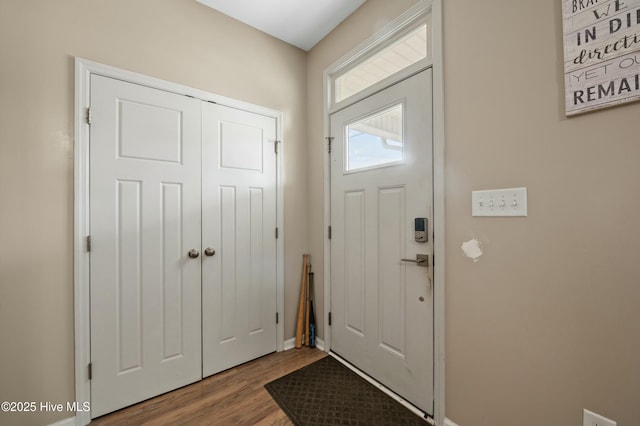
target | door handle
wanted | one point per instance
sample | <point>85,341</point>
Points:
<point>420,260</point>
<point>209,251</point>
<point>193,253</point>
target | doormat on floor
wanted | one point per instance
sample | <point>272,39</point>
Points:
<point>328,393</point>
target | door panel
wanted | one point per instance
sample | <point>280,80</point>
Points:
<point>393,301</point>
<point>354,240</point>
<point>239,221</point>
<point>145,216</point>
<point>381,179</point>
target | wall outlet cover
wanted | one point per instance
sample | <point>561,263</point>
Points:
<point>592,419</point>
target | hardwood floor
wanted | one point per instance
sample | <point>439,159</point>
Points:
<point>233,397</point>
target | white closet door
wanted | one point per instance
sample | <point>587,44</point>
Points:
<point>239,221</point>
<point>145,217</point>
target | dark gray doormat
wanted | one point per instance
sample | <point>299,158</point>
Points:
<point>328,393</point>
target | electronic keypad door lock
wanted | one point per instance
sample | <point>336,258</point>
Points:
<point>420,228</point>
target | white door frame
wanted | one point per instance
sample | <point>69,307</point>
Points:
<point>374,42</point>
<point>83,70</point>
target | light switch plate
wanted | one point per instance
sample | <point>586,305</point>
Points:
<point>593,419</point>
<point>499,202</point>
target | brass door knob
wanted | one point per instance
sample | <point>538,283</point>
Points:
<point>209,251</point>
<point>193,253</point>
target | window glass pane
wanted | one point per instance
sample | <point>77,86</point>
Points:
<point>375,140</point>
<point>405,52</point>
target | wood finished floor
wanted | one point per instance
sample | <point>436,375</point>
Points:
<point>233,397</point>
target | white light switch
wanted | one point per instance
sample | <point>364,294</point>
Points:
<point>499,202</point>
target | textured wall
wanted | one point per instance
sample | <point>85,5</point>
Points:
<point>546,323</point>
<point>176,40</point>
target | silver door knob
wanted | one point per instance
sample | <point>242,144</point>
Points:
<point>209,251</point>
<point>193,253</point>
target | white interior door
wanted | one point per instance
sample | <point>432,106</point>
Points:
<point>239,224</point>
<point>381,181</point>
<point>145,216</point>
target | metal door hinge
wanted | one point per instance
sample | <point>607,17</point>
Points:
<point>88,243</point>
<point>276,232</point>
<point>329,139</point>
<point>275,146</point>
<point>88,116</point>
<point>329,232</point>
<point>329,319</point>
<point>277,318</point>
<point>90,370</point>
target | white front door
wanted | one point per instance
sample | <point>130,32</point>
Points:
<point>239,225</point>
<point>381,182</point>
<point>145,217</point>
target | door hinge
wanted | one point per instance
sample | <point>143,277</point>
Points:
<point>90,370</point>
<point>88,116</point>
<point>277,318</point>
<point>329,139</point>
<point>275,146</point>
<point>329,319</point>
<point>276,232</point>
<point>329,231</point>
<point>88,243</point>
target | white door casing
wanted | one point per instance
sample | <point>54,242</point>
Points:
<point>144,217</point>
<point>239,223</point>
<point>382,307</point>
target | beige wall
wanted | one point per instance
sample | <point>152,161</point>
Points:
<point>547,322</point>
<point>176,40</point>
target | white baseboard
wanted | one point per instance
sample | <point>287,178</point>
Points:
<point>291,343</point>
<point>448,422</point>
<point>69,421</point>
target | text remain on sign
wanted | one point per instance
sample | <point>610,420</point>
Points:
<point>601,53</point>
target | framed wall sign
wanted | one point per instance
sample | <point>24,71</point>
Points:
<point>601,53</point>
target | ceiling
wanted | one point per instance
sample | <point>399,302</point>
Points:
<point>301,23</point>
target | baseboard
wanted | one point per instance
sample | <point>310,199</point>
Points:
<point>69,421</point>
<point>291,343</point>
<point>448,422</point>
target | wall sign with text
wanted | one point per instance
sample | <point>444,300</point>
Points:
<point>601,53</point>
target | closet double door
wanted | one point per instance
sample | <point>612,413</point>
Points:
<point>182,244</point>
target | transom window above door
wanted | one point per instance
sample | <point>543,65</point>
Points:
<point>381,63</point>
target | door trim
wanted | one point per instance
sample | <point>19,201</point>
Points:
<point>83,71</point>
<point>437,63</point>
